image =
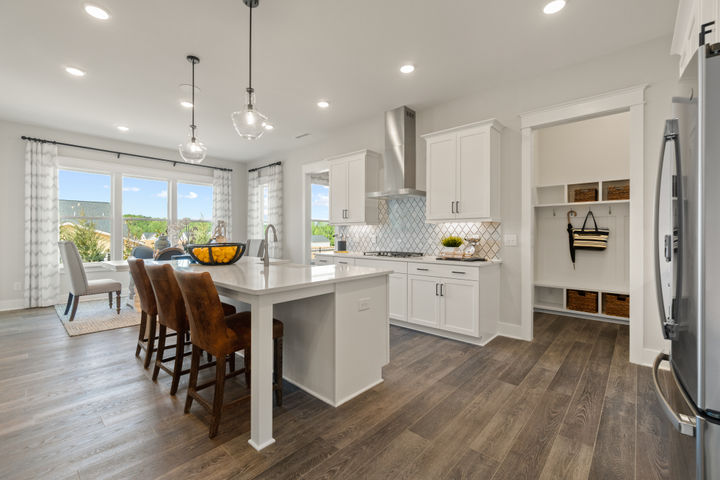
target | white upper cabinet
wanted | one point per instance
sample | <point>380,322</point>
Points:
<point>691,16</point>
<point>352,177</point>
<point>463,173</point>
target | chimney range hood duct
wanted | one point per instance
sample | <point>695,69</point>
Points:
<point>399,158</point>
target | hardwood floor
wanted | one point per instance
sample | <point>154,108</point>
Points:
<point>567,405</point>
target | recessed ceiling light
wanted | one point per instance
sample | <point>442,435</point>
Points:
<point>123,128</point>
<point>554,6</point>
<point>267,126</point>
<point>323,104</point>
<point>407,68</point>
<point>96,12</point>
<point>186,104</point>
<point>75,72</point>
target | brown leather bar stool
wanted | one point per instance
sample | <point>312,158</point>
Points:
<point>148,306</point>
<point>211,330</point>
<point>172,315</point>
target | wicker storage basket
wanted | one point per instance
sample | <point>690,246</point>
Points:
<point>618,192</point>
<point>585,195</point>
<point>617,305</point>
<point>582,301</point>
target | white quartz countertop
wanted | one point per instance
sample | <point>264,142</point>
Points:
<point>250,276</point>
<point>425,259</point>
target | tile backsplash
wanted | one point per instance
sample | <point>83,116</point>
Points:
<point>402,227</point>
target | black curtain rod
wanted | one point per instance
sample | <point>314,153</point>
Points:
<point>264,166</point>
<point>115,152</point>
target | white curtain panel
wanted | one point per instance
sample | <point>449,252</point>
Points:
<point>265,205</point>
<point>41,225</point>
<point>222,199</point>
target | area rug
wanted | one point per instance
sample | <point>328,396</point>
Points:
<point>96,316</point>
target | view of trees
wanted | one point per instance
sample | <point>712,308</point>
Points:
<point>324,229</point>
<point>91,245</point>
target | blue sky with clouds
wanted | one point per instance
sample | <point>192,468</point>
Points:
<point>140,196</point>
<point>320,202</point>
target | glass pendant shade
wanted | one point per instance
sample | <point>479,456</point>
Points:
<point>193,150</point>
<point>248,122</point>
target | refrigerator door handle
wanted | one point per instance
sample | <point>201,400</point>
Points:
<point>683,423</point>
<point>666,320</point>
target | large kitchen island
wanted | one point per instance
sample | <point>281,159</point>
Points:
<point>336,337</point>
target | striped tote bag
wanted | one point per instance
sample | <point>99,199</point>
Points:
<point>589,238</point>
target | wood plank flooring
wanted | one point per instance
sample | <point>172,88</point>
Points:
<point>567,405</point>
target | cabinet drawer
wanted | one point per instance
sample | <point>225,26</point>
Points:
<point>344,261</point>
<point>447,271</point>
<point>396,267</point>
<point>321,260</point>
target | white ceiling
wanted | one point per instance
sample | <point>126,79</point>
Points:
<point>348,51</point>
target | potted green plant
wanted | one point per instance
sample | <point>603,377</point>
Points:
<point>451,246</point>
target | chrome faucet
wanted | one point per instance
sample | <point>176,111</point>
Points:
<point>266,254</point>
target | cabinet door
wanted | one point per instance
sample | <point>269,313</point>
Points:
<point>344,261</point>
<point>459,307</point>
<point>398,296</point>
<point>423,301</point>
<point>441,175</point>
<point>356,190</point>
<point>338,191</point>
<point>473,175</point>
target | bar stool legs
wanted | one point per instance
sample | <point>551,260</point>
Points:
<point>147,344</point>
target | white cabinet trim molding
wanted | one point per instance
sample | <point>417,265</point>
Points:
<point>630,99</point>
<point>603,104</point>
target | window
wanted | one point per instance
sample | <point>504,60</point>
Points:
<point>194,210</point>
<point>145,212</point>
<point>85,213</point>
<point>107,212</point>
<point>323,234</point>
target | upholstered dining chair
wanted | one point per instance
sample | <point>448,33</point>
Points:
<point>219,334</point>
<point>168,253</point>
<point>79,284</point>
<point>142,251</point>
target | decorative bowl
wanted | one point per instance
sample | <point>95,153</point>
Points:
<point>216,253</point>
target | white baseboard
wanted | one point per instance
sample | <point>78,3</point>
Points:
<point>15,304</point>
<point>511,330</point>
<point>482,340</point>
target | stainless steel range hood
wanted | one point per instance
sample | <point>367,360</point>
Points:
<point>399,159</point>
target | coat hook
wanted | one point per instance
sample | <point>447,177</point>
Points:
<point>553,212</point>
<point>610,210</point>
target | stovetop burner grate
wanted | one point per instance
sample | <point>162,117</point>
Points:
<point>387,253</point>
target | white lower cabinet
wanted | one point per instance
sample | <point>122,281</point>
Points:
<point>459,302</point>
<point>398,296</point>
<point>444,303</point>
<point>423,304</point>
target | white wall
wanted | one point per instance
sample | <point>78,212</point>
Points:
<point>646,63</point>
<point>583,151</point>
<point>12,192</point>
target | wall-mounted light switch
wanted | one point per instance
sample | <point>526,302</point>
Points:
<point>510,240</point>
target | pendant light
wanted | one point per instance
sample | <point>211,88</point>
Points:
<point>248,122</point>
<point>193,150</point>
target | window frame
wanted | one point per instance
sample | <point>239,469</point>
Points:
<point>116,172</point>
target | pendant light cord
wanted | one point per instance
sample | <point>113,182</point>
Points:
<point>193,101</point>
<point>250,50</point>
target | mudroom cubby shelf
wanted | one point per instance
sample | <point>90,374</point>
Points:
<point>552,298</point>
<point>564,195</point>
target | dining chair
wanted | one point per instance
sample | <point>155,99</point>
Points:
<point>142,251</point>
<point>168,253</point>
<point>148,308</point>
<point>255,247</point>
<point>79,284</point>
<point>211,330</point>
<point>172,315</point>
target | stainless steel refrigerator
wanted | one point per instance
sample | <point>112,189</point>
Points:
<point>687,234</point>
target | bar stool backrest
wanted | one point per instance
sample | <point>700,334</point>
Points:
<point>143,286</point>
<point>205,314</point>
<point>170,303</point>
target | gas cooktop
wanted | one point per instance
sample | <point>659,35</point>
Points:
<point>386,253</point>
